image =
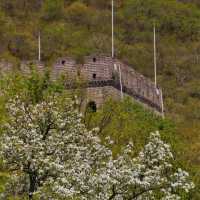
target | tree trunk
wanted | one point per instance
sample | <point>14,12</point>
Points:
<point>33,184</point>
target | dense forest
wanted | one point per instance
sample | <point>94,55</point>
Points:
<point>83,27</point>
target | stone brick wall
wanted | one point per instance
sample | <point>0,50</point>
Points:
<point>139,84</point>
<point>98,68</point>
<point>102,73</point>
<point>100,94</point>
<point>66,66</point>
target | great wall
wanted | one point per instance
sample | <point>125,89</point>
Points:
<point>106,77</point>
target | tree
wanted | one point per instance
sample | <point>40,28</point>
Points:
<point>52,155</point>
<point>19,44</point>
<point>5,31</point>
<point>80,14</point>
<point>20,8</point>
<point>53,9</point>
<point>54,35</point>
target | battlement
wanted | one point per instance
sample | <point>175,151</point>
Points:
<point>103,73</point>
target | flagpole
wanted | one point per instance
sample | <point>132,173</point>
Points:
<point>113,53</point>
<point>155,72</point>
<point>162,104</point>
<point>39,47</point>
<point>120,80</point>
<point>155,55</point>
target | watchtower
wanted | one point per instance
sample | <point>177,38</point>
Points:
<point>108,77</point>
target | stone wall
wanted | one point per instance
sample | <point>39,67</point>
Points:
<point>138,84</point>
<point>94,68</point>
<point>103,76</point>
<point>100,94</point>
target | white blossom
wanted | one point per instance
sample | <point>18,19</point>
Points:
<point>52,156</point>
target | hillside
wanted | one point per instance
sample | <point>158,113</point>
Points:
<point>123,122</point>
<point>78,28</point>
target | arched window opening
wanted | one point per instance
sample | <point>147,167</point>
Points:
<point>63,62</point>
<point>94,59</point>
<point>91,106</point>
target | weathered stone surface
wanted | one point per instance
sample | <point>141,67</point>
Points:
<point>100,70</point>
<point>103,76</point>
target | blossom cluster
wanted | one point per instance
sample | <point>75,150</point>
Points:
<point>52,155</point>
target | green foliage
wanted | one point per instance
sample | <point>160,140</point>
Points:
<point>127,120</point>
<point>5,31</point>
<point>53,35</point>
<point>79,14</point>
<point>171,17</point>
<point>53,9</point>
<point>20,43</point>
<point>35,87</point>
<point>82,27</point>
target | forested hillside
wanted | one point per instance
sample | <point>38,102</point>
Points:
<point>82,27</point>
<point>116,125</point>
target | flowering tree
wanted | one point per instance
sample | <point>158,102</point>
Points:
<point>51,155</point>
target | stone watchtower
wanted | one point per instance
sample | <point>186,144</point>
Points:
<point>108,77</point>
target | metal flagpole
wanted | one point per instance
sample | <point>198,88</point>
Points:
<point>39,47</point>
<point>120,80</point>
<point>155,73</point>
<point>155,60</point>
<point>162,104</point>
<point>113,51</point>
